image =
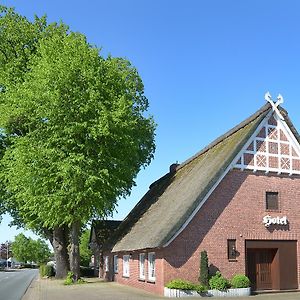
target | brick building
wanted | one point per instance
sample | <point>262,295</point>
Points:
<point>238,199</point>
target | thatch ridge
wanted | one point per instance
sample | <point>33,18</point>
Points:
<point>172,199</point>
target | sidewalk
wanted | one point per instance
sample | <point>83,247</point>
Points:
<point>96,289</point>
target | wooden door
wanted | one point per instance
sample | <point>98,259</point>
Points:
<point>260,268</point>
<point>264,259</point>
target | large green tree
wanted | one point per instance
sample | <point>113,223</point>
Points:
<point>19,41</point>
<point>77,130</point>
<point>26,249</point>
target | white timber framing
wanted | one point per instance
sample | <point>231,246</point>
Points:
<point>285,161</point>
<point>232,165</point>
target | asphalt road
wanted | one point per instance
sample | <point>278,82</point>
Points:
<point>14,283</point>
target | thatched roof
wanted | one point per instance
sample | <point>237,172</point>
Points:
<point>102,231</point>
<point>171,200</point>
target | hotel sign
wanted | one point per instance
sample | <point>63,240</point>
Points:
<point>268,220</point>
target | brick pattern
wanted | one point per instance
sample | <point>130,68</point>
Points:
<point>233,211</point>
<point>133,279</point>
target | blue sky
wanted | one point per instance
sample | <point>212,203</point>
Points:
<point>205,64</point>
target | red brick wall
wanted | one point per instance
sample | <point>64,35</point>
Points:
<point>133,279</point>
<point>233,211</point>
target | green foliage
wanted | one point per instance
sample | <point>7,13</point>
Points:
<point>80,281</point>
<point>46,271</point>
<point>19,41</point>
<point>42,251</point>
<point>180,284</point>
<point>240,281</point>
<point>26,249</point>
<point>71,279</point>
<point>85,251</point>
<point>185,285</point>
<point>75,123</point>
<point>203,276</point>
<point>218,282</point>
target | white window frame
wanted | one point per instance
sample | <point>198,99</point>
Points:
<point>151,266</point>
<point>142,258</point>
<point>126,271</point>
<point>116,265</point>
<point>106,265</point>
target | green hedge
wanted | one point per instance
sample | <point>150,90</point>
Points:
<point>185,285</point>
<point>46,271</point>
<point>217,282</point>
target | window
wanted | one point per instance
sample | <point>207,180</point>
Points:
<point>106,267</point>
<point>272,201</point>
<point>126,265</point>
<point>231,249</point>
<point>142,266</point>
<point>116,264</point>
<point>151,266</point>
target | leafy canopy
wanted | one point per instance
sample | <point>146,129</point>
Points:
<point>26,249</point>
<point>19,39</point>
<point>77,131</point>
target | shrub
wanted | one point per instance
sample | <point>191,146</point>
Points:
<point>240,281</point>
<point>218,282</point>
<point>185,285</point>
<point>80,281</point>
<point>70,279</point>
<point>203,272</point>
<point>180,284</point>
<point>46,271</point>
<point>200,288</point>
<point>42,270</point>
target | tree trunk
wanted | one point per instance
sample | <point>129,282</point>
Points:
<point>101,265</point>
<point>96,262</point>
<point>60,247</point>
<point>74,249</point>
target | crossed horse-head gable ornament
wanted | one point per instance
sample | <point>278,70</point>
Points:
<point>275,104</point>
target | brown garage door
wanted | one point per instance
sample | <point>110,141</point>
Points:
<point>272,264</point>
<point>261,267</point>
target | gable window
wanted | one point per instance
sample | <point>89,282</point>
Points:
<point>106,267</point>
<point>116,264</point>
<point>231,249</point>
<point>151,266</point>
<point>272,201</point>
<point>126,265</point>
<point>142,266</point>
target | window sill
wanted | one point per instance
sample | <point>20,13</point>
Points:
<point>232,260</point>
<point>151,280</point>
<point>142,279</point>
<point>125,276</point>
<point>273,210</point>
